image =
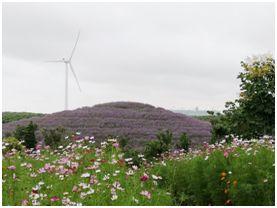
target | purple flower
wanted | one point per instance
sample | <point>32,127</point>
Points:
<point>12,167</point>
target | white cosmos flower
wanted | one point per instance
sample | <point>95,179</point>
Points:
<point>85,175</point>
<point>114,197</point>
<point>130,172</point>
<point>91,191</point>
<point>128,159</point>
<point>106,177</point>
<point>156,177</point>
<point>41,183</point>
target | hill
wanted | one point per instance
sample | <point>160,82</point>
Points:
<point>137,121</point>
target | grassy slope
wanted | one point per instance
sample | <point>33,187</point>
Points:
<point>14,116</point>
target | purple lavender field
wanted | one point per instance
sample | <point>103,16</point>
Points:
<point>137,121</point>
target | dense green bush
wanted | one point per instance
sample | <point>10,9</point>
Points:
<point>10,143</point>
<point>134,154</point>
<point>184,142</point>
<point>220,126</point>
<point>244,177</point>
<point>255,178</point>
<point>54,137</point>
<point>123,141</point>
<point>157,147</point>
<point>27,134</point>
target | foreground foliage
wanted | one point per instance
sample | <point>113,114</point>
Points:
<point>241,173</point>
<point>81,173</point>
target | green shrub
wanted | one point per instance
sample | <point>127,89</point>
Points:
<point>54,137</point>
<point>123,141</point>
<point>27,134</point>
<point>10,143</point>
<point>184,142</point>
<point>153,149</point>
<point>134,155</point>
<point>157,147</point>
<point>165,138</point>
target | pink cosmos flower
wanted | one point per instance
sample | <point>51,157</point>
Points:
<point>54,199</point>
<point>63,170</point>
<point>64,160</point>
<point>47,166</point>
<point>145,177</point>
<point>147,194</point>
<point>29,165</point>
<point>38,147</point>
<point>24,202</point>
<point>226,154</point>
<point>205,145</point>
<point>75,188</point>
<point>74,165</point>
<point>116,145</point>
<point>12,167</point>
<point>41,170</point>
<point>69,171</point>
<point>93,180</point>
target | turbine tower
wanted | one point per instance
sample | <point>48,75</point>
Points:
<point>68,65</point>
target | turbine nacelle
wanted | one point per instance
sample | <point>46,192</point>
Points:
<point>67,61</point>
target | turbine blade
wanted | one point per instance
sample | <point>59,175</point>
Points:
<point>71,67</point>
<point>55,61</point>
<point>75,45</point>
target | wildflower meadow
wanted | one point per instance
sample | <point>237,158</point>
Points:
<point>81,172</point>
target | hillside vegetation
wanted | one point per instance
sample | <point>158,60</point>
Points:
<point>15,116</point>
<point>136,121</point>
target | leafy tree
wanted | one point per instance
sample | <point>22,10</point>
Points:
<point>27,134</point>
<point>253,113</point>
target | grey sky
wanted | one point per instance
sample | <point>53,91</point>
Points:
<point>176,56</point>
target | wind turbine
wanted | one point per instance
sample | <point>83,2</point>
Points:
<point>67,62</point>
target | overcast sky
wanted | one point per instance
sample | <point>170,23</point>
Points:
<point>176,56</point>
